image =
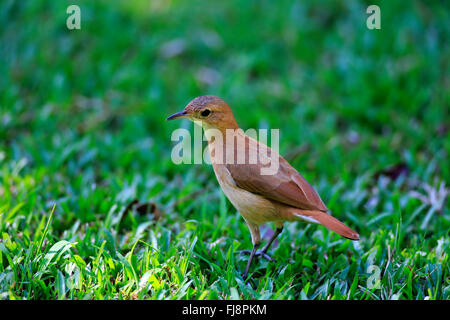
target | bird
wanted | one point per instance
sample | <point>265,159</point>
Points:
<point>282,195</point>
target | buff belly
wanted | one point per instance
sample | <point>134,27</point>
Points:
<point>254,208</point>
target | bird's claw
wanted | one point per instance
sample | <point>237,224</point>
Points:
<point>259,254</point>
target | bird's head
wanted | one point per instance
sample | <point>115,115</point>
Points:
<point>211,111</point>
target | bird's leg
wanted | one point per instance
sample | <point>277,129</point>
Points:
<point>263,251</point>
<point>256,240</point>
<point>252,254</point>
<point>272,239</point>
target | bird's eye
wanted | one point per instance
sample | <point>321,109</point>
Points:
<point>205,113</point>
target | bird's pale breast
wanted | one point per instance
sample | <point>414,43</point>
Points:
<point>252,207</point>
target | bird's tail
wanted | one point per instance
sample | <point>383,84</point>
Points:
<point>328,221</point>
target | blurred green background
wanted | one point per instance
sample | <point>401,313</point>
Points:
<point>363,115</point>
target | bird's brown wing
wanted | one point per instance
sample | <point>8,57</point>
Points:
<point>286,186</point>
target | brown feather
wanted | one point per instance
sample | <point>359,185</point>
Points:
<point>287,186</point>
<point>328,221</point>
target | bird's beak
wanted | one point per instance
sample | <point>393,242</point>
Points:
<point>181,114</point>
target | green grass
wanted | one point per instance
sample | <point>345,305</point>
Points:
<point>82,135</point>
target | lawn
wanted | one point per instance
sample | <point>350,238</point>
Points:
<point>92,206</point>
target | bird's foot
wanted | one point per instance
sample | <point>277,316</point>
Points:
<point>259,254</point>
